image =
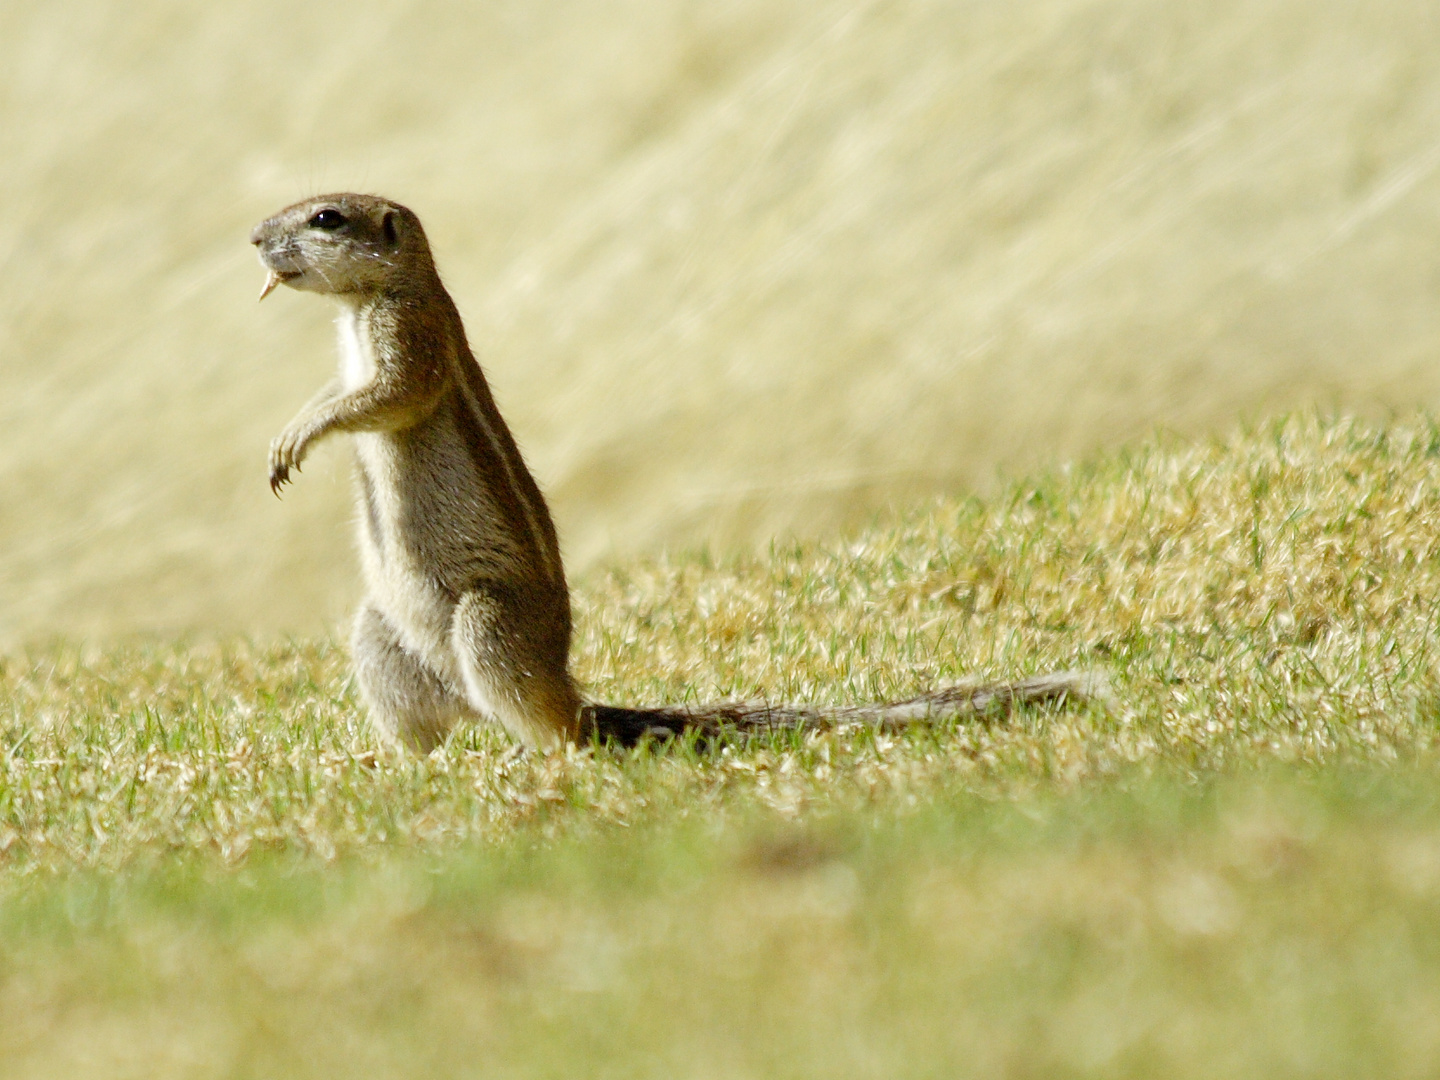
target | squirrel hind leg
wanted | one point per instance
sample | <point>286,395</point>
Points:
<point>407,703</point>
<point>512,674</point>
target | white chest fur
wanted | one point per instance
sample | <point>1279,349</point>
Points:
<point>357,364</point>
<point>398,584</point>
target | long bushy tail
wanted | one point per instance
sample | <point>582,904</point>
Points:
<point>628,726</point>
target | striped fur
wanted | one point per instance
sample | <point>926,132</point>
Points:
<point>466,613</point>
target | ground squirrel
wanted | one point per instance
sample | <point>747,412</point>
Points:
<point>467,613</point>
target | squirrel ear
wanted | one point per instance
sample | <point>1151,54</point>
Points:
<point>388,225</point>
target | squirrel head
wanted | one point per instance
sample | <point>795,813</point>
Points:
<point>349,246</point>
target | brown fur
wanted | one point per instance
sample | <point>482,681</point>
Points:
<point>467,613</point>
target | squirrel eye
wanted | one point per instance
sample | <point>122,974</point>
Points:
<point>327,219</point>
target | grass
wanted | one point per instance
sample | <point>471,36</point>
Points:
<point>1219,929</point>
<point>208,869</point>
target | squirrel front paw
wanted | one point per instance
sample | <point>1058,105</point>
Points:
<point>287,450</point>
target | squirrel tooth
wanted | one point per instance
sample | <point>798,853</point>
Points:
<point>272,279</point>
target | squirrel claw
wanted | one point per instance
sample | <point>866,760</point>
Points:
<point>285,453</point>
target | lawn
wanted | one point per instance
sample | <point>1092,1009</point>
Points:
<point>1231,867</point>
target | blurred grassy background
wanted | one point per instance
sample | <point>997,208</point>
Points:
<point>736,269</point>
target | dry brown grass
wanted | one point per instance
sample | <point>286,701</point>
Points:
<point>737,268</point>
